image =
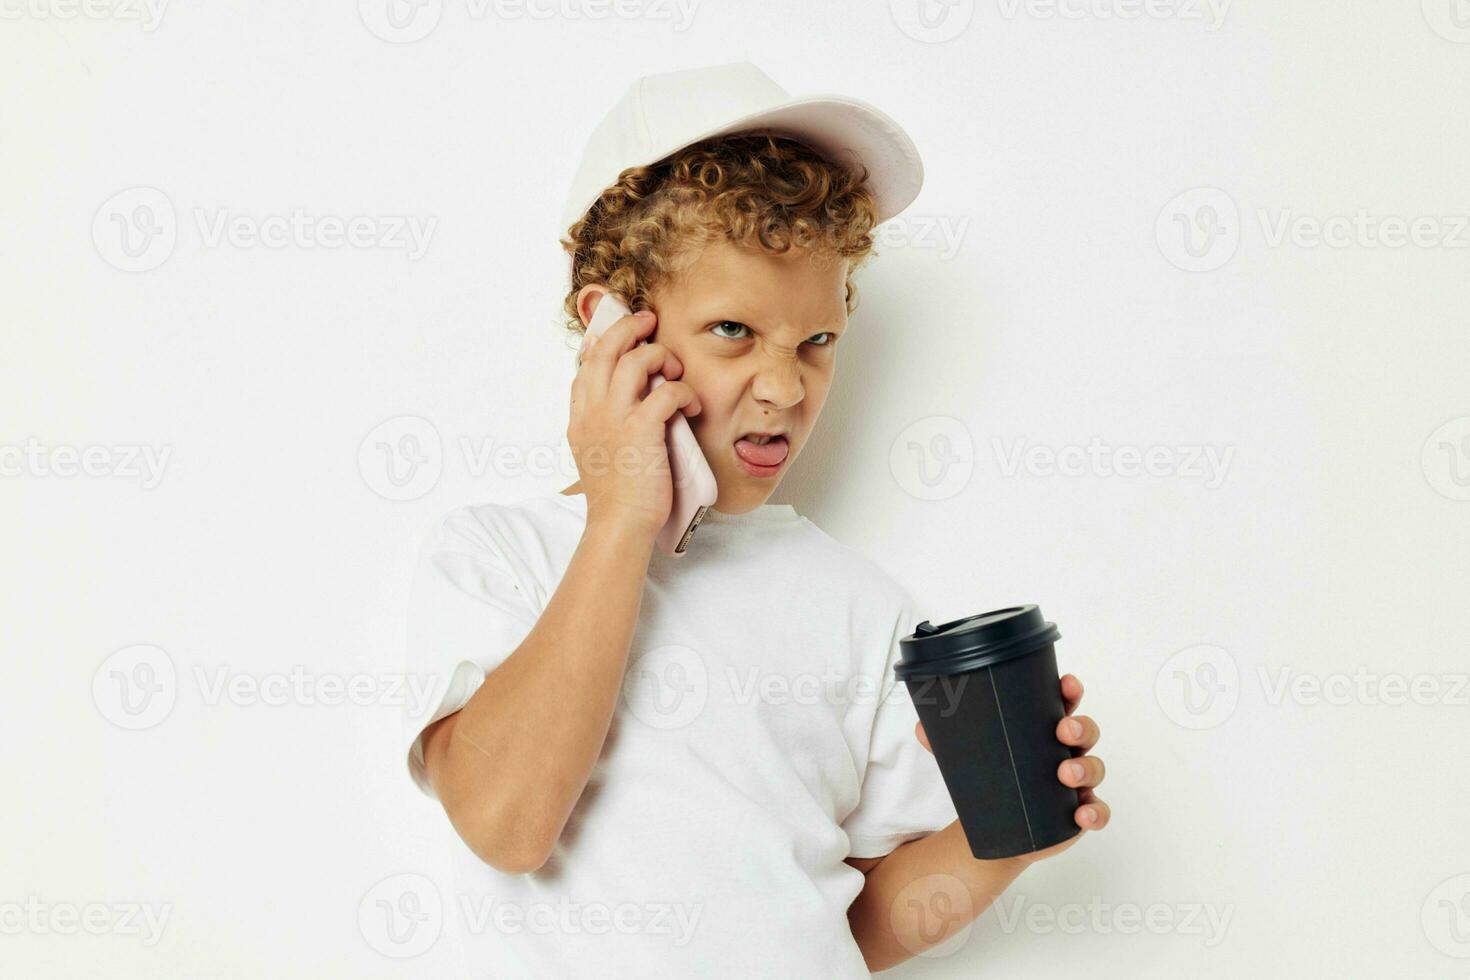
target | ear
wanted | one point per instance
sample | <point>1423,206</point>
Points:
<point>587,299</point>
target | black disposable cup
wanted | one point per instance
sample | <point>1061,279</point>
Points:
<point>987,690</point>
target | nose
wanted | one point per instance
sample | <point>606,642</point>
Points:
<point>778,384</point>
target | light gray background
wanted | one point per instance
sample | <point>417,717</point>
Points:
<point>1065,155</point>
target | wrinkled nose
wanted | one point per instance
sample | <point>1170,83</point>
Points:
<point>778,383</point>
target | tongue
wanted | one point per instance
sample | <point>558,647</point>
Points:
<point>772,453</point>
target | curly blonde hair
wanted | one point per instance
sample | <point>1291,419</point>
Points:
<point>753,188</point>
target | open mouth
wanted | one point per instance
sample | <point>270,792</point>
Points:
<point>762,452</point>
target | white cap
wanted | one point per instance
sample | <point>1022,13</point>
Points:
<point>660,114</point>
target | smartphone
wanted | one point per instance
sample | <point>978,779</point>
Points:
<point>695,489</point>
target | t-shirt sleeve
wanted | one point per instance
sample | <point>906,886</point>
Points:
<point>467,612</point>
<point>903,796</point>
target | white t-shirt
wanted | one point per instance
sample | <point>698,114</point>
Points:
<point>759,740</point>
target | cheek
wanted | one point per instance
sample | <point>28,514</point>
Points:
<point>718,390</point>
<point>818,385</point>
<point>718,399</point>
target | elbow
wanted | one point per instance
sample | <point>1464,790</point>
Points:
<point>509,856</point>
<point>511,862</point>
<point>508,843</point>
<point>511,839</point>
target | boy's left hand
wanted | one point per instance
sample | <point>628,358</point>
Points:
<point>1079,734</point>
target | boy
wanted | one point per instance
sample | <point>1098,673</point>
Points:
<point>698,766</point>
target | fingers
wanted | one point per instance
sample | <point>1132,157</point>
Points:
<point>630,376</point>
<point>667,399</point>
<point>1078,732</point>
<point>601,354</point>
<point>1071,692</point>
<point>1083,771</point>
<point>620,336</point>
<point>1093,815</point>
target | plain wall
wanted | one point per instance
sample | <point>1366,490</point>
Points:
<point>1038,293</point>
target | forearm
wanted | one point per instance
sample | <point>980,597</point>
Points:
<point>923,893</point>
<point>504,772</point>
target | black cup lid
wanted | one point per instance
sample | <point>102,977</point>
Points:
<point>974,641</point>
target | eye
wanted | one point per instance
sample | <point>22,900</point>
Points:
<point>826,336</point>
<point>729,323</point>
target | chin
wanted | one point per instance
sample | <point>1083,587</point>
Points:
<point>739,491</point>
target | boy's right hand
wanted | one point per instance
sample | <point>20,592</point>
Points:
<point>618,436</point>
